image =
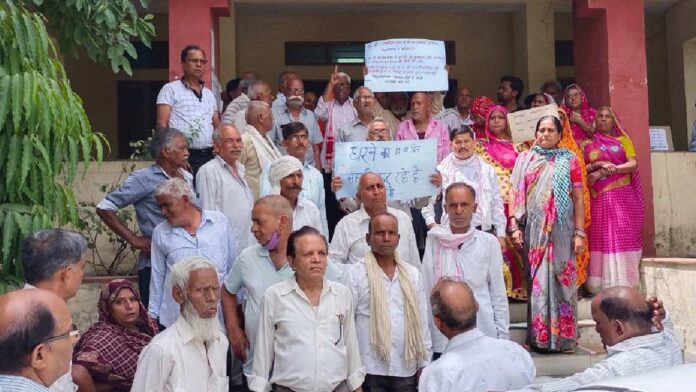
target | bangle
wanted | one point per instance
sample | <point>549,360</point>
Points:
<point>513,229</point>
<point>580,233</point>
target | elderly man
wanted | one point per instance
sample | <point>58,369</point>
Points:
<point>460,115</point>
<point>382,110</point>
<point>310,100</point>
<point>398,104</point>
<point>257,268</point>
<point>510,92</point>
<point>222,187</point>
<point>336,108</point>
<point>306,337</point>
<point>472,361</point>
<point>285,175</point>
<point>293,111</point>
<point>187,105</point>
<point>53,260</point>
<point>37,337</point>
<point>421,125</point>
<point>296,143</point>
<point>259,91</point>
<point>242,101</point>
<point>391,313</point>
<point>187,231</point>
<point>348,245</point>
<point>258,151</point>
<point>190,354</point>
<point>554,89</point>
<point>365,106</point>
<point>168,146</point>
<point>625,322</point>
<point>284,79</point>
<point>459,250</point>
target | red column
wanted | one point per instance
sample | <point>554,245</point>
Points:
<point>191,23</point>
<point>609,52</point>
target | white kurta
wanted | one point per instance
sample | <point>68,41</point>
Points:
<point>348,245</point>
<point>175,360</point>
<point>481,262</point>
<point>473,362</point>
<point>355,277</point>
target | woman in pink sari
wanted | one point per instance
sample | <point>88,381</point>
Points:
<point>615,238</point>
<point>498,150</point>
<point>579,111</point>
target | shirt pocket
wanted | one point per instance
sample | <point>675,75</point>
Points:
<point>333,329</point>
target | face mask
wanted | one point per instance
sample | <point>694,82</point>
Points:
<point>273,242</point>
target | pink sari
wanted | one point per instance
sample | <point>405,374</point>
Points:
<point>587,112</point>
<point>615,238</point>
<point>502,154</point>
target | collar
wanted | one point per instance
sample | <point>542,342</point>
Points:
<point>265,255</point>
<point>303,110</point>
<point>25,383</point>
<point>205,217</point>
<point>240,168</point>
<point>464,338</point>
<point>291,285</point>
<point>644,341</point>
<point>183,328</point>
<point>200,81</point>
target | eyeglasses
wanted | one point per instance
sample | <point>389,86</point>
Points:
<point>73,333</point>
<point>198,61</point>
<point>379,130</point>
<point>301,137</point>
<point>296,90</point>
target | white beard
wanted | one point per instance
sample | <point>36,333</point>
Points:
<point>203,328</point>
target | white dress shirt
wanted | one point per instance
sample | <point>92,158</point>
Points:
<point>307,214</point>
<point>481,262</point>
<point>214,240</point>
<point>348,245</point>
<point>308,348</point>
<point>355,277</point>
<point>220,190</point>
<point>636,355</point>
<point>238,104</point>
<point>474,362</point>
<point>453,119</point>
<point>239,120</point>
<point>190,114</point>
<point>176,360</point>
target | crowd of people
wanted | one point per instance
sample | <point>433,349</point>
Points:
<point>254,276</point>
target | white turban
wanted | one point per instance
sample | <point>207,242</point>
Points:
<point>281,168</point>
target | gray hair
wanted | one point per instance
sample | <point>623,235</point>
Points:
<point>253,110</point>
<point>460,317</point>
<point>163,137</point>
<point>181,271</point>
<point>356,94</point>
<point>255,89</point>
<point>47,251</point>
<point>217,131</point>
<point>548,83</point>
<point>344,75</point>
<point>175,187</point>
<point>244,85</point>
<point>379,119</point>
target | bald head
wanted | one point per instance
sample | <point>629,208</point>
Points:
<point>259,116</point>
<point>27,318</point>
<point>454,306</point>
<point>275,205</point>
<point>621,313</point>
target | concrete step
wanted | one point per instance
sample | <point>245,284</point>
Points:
<point>587,336</point>
<point>518,311</point>
<point>563,365</point>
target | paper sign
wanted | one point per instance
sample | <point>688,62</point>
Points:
<point>523,123</point>
<point>661,138</point>
<point>406,65</point>
<point>405,166</point>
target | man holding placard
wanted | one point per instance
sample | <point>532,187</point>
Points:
<point>365,105</point>
<point>422,126</point>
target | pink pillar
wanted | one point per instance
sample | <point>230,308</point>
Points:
<point>191,23</point>
<point>609,52</point>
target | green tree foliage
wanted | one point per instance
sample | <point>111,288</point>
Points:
<point>44,131</point>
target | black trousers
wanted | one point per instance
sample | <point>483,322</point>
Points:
<point>375,383</point>
<point>333,213</point>
<point>144,285</point>
<point>198,158</point>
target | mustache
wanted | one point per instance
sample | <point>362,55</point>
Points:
<point>296,188</point>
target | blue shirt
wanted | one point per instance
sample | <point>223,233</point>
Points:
<point>214,240</point>
<point>19,384</point>
<point>139,190</point>
<point>281,116</point>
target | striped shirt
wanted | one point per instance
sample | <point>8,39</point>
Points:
<point>214,240</point>
<point>19,384</point>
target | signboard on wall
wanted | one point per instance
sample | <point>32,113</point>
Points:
<point>661,138</point>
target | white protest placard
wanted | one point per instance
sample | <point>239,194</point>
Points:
<point>661,138</point>
<point>405,166</point>
<point>523,123</point>
<point>407,64</point>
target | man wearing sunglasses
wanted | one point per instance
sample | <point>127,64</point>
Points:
<point>37,337</point>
